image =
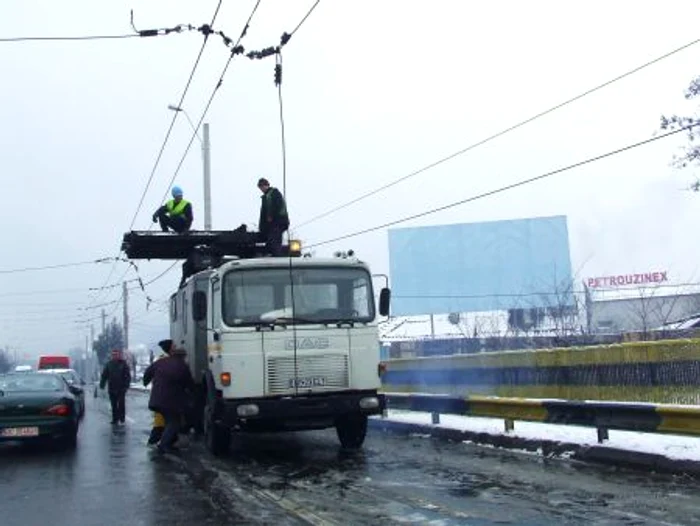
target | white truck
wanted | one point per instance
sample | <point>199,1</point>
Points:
<point>281,344</point>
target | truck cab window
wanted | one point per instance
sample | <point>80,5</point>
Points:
<point>320,295</point>
<point>173,308</point>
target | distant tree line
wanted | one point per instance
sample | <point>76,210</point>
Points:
<point>111,338</point>
<point>5,361</point>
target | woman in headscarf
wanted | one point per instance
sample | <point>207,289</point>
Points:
<point>158,420</point>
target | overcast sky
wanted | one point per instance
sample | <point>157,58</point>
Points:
<point>373,90</point>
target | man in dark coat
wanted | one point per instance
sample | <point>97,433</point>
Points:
<point>172,384</point>
<point>274,219</point>
<point>158,419</point>
<point>117,376</point>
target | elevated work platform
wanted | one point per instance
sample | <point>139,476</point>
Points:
<point>168,245</point>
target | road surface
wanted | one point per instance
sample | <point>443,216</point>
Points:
<point>113,479</point>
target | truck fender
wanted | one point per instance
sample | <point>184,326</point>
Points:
<point>208,382</point>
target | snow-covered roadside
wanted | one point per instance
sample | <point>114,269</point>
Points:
<point>674,447</point>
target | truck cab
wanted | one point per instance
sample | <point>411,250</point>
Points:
<point>282,344</point>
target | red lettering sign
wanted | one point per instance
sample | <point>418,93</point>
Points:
<point>622,280</point>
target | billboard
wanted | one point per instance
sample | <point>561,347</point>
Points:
<point>476,267</point>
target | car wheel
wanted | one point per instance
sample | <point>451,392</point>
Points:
<point>70,441</point>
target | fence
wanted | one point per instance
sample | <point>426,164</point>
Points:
<point>666,372</point>
<point>601,415</point>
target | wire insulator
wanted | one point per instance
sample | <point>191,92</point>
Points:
<point>278,74</point>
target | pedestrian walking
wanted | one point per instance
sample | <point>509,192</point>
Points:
<point>117,377</point>
<point>172,386</point>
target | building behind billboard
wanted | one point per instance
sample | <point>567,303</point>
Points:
<point>521,264</point>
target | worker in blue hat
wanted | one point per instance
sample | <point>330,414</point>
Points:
<point>176,214</point>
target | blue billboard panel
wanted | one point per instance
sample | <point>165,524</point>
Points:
<point>476,267</point>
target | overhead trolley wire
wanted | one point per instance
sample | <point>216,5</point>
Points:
<point>168,133</point>
<point>506,187</point>
<point>236,49</point>
<point>497,135</point>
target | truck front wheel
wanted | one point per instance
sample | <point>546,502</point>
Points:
<point>216,436</point>
<point>352,430</point>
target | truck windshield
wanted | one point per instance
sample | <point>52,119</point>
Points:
<point>320,295</point>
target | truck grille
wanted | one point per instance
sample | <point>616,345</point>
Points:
<point>328,371</point>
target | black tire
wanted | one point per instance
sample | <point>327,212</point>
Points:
<point>351,431</point>
<point>70,441</point>
<point>197,411</point>
<point>216,436</point>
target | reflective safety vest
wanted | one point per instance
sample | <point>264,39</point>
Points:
<point>176,209</point>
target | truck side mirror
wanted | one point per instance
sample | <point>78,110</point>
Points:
<point>199,306</point>
<point>384,301</point>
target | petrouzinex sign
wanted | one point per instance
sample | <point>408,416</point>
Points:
<point>624,280</point>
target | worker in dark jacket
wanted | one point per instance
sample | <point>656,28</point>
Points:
<point>274,219</point>
<point>175,214</point>
<point>172,385</point>
<point>158,419</point>
<point>117,377</point>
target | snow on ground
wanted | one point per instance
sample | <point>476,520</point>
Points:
<point>139,387</point>
<point>672,446</point>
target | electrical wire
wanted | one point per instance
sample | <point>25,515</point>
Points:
<point>497,135</point>
<point>175,115</point>
<point>507,187</point>
<point>278,81</point>
<point>305,17</point>
<point>234,51</point>
<point>69,38</point>
<point>144,33</point>
<point>159,276</point>
<point>167,137</point>
<point>52,267</point>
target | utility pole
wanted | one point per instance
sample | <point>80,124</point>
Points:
<point>206,150</point>
<point>104,318</point>
<point>91,353</point>
<point>125,301</point>
<point>206,161</point>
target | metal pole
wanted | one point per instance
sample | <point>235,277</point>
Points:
<point>125,297</point>
<point>206,151</point>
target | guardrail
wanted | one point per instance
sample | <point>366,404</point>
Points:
<point>660,372</point>
<point>604,416</point>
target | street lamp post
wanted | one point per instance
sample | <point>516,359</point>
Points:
<point>206,162</point>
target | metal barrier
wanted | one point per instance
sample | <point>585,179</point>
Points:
<point>650,418</point>
<point>666,372</point>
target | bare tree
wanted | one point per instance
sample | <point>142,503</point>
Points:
<point>652,310</point>
<point>558,309</point>
<point>691,155</point>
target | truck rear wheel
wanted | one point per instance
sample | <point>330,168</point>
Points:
<point>216,436</point>
<point>352,430</point>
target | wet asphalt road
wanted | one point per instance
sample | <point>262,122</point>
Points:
<point>112,479</point>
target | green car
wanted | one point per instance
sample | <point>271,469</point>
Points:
<point>39,406</point>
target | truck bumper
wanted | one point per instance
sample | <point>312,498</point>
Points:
<point>297,413</point>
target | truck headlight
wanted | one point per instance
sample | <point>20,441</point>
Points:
<point>247,410</point>
<point>371,402</point>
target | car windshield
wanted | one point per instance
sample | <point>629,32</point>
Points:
<point>318,295</point>
<point>30,382</point>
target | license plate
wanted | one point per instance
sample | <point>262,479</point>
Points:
<point>19,432</point>
<point>313,381</point>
